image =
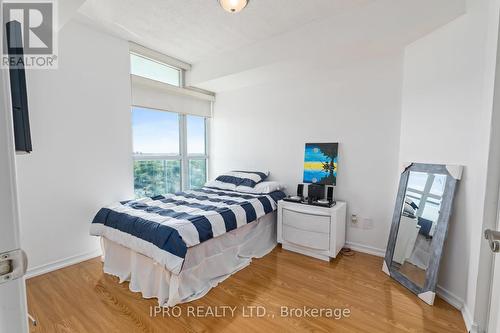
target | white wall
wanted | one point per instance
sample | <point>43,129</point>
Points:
<point>265,128</point>
<point>446,118</point>
<point>81,132</point>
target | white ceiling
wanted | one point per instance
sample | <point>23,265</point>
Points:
<point>192,30</point>
<point>271,38</point>
<point>357,35</point>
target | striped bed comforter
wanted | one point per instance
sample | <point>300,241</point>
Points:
<point>164,227</point>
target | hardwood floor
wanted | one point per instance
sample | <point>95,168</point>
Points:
<point>81,298</point>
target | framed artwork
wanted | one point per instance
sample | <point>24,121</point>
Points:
<point>320,163</point>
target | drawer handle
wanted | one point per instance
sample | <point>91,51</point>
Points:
<point>305,212</point>
<point>307,230</point>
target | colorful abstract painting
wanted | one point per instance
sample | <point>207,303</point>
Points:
<point>320,163</point>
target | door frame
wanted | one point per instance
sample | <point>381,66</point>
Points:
<point>485,300</point>
<point>493,302</point>
<point>13,303</point>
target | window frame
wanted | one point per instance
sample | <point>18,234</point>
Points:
<point>181,71</point>
<point>183,156</point>
<point>184,153</point>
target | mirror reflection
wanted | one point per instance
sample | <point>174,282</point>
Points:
<point>417,225</point>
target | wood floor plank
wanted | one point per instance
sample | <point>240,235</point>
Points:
<point>81,298</point>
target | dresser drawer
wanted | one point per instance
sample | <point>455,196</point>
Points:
<point>306,221</point>
<point>310,239</point>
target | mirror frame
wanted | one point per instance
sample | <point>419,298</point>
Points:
<point>453,174</point>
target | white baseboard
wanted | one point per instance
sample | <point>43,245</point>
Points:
<point>470,325</point>
<point>450,298</point>
<point>58,264</point>
<point>365,249</point>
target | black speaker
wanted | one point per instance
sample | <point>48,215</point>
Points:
<point>300,190</point>
<point>329,194</point>
<point>316,192</point>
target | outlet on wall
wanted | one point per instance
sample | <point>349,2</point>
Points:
<point>361,222</point>
<point>354,221</point>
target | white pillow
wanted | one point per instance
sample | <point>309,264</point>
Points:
<point>221,185</point>
<point>262,187</point>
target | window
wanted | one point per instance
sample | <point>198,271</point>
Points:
<point>196,135</point>
<point>170,152</point>
<point>197,173</point>
<point>196,150</point>
<point>154,70</point>
<point>155,132</point>
<point>152,177</point>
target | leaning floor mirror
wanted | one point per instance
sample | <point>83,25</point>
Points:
<point>419,226</point>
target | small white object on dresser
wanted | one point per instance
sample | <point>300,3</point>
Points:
<point>314,231</point>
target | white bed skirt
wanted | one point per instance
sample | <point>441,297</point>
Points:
<point>205,266</point>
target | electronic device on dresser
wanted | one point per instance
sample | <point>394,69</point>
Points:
<point>329,194</point>
<point>300,191</point>
<point>299,197</point>
<point>316,196</point>
<point>315,192</point>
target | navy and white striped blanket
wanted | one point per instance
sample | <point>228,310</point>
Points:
<point>164,227</point>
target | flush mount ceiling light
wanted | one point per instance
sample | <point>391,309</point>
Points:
<point>233,6</point>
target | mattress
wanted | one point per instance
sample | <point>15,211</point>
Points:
<point>165,227</point>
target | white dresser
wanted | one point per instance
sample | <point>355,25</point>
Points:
<point>315,231</point>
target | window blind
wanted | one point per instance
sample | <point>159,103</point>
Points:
<point>161,96</point>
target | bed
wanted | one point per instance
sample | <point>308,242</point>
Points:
<point>177,247</point>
